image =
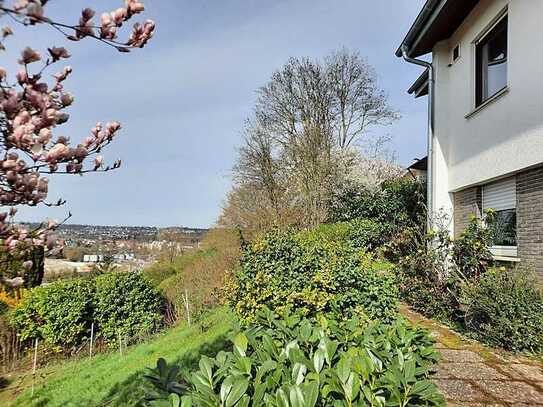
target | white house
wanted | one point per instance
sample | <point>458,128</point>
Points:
<point>485,89</point>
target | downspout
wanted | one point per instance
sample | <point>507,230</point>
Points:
<point>430,172</point>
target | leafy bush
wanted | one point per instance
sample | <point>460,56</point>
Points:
<point>400,203</point>
<point>359,233</point>
<point>505,309</point>
<point>451,280</point>
<point>471,251</point>
<point>126,304</point>
<point>306,272</point>
<point>403,244</point>
<point>426,279</point>
<point>59,313</point>
<point>292,361</point>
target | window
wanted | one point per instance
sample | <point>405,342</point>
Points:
<point>456,53</point>
<point>501,196</point>
<point>491,62</point>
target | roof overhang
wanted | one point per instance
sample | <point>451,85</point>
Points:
<point>437,21</point>
<point>420,86</point>
<point>421,165</point>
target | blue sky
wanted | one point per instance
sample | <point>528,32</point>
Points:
<point>183,99</point>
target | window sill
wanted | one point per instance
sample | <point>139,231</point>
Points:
<point>505,258</point>
<point>487,102</point>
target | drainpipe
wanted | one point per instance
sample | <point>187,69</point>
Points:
<point>430,172</point>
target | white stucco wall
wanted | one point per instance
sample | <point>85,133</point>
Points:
<point>504,136</point>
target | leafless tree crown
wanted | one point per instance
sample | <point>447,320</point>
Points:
<point>307,120</point>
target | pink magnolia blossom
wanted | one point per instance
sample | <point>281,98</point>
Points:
<point>28,55</point>
<point>58,52</point>
<point>6,31</point>
<point>98,160</point>
<point>32,110</point>
<point>134,6</point>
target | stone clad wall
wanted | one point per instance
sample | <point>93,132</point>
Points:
<point>530,218</point>
<point>467,202</point>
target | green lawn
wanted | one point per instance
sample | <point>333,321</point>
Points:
<point>111,379</point>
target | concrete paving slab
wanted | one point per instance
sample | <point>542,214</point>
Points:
<point>473,371</point>
<point>511,391</point>
<point>462,356</point>
<point>459,390</point>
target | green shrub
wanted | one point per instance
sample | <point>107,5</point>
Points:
<point>360,233</point>
<point>505,309</point>
<point>292,361</point>
<point>312,274</point>
<point>471,251</point>
<point>399,202</point>
<point>59,313</point>
<point>126,304</point>
<point>159,272</point>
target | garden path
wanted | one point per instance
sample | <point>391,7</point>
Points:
<point>471,374</point>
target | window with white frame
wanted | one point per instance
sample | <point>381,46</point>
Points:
<point>491,62</point>
<point>501,196</point>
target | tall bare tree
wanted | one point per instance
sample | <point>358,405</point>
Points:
<point>358,103</point>
<point>307,117</point>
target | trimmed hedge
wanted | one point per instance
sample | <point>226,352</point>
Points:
<point>61,313</point>
<point>126,304</point>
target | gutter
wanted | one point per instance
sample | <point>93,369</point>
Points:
<point>421,20</point>
<point>430,172</point>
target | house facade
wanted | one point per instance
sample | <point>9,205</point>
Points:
<point>485,85</point>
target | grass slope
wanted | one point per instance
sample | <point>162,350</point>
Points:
<point>111,379</point>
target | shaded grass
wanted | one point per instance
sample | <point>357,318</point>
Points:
<point>112,379</point>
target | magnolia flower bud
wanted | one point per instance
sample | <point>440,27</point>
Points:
<point>98,160</point>
<point>52,223</point>
<point>134,6</point>
<point>66,99</point>
<point>50,242</point>
<point>37,148</point>
<point>6,31</point>
<point>87,14</point>
<point>44,136</point>
<point>28,264</point>
<point>35,10</point>
<point>80,153</point>
<point>62,117</point>
<point>3,74</point>
<point>119,16</point>
<point>28,55</point>
<point>22,77</point>
<point>12,211</point>
<point>58,52</point>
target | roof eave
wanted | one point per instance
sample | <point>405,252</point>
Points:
<point>419,27</point>
<point>420,86</point>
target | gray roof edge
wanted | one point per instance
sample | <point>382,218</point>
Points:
<point>418,25</point>
<point>420,83</point>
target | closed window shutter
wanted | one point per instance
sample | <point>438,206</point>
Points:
<point>500,195</point>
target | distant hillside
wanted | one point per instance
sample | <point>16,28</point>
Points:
<point>141,233</point>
